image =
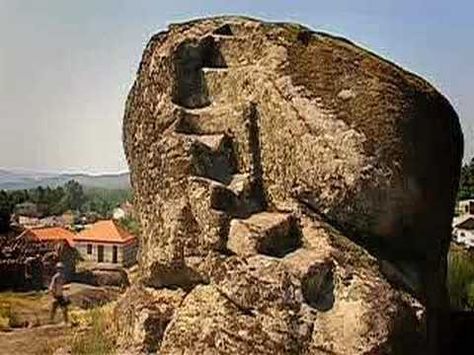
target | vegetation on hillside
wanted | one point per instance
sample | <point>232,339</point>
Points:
<point>131,225</point>
<point>466,183</point>
<point>103,201</point>
<point>55,201</point>
<point>5,212</point>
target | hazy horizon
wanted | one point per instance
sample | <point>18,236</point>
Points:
<point>27,171</point>
<point>66,67</point>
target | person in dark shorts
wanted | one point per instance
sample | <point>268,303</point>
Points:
<point>56,290</point>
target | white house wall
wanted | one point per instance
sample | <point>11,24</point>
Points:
<point>464,236</point>
<point>126,254</point>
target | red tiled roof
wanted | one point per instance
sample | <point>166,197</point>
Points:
<point>105,232</point>
<point>52,234</point>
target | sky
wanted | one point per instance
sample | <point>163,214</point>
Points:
<point>66,66</point>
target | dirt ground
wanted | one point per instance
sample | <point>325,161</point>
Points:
<point>24,318</point>
<point>41,340</point>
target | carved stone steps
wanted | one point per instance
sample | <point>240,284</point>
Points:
<point>215,142</point>
<point>213,119</point>
<point>269,233</point>
<point>214,78</point>
<point>233,199</point>
<point>211,224</point>
<point>212,156</point>
<point>228,46</point>
<point>241,184</point>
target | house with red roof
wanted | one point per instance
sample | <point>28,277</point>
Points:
<point>50,234</point>
<point>107,242</point>
<point>53,244</point>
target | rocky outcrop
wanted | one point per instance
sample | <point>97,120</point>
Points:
<point>297,188</point>
<point>102,276</point>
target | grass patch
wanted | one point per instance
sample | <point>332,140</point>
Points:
<point>460,279</point>
<point>94,335</point>
<point>21,309</point>
<point>8,318</point>
<point>49,346</point>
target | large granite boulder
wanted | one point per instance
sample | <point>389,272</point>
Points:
<point>299,188</point>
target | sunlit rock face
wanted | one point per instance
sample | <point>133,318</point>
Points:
<point>297,188</point>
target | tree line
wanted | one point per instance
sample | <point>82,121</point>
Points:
<point>51,201</point>
<point>466,183</point>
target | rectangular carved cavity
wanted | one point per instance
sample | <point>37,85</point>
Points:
<point>224,30</point>
<point>190,89</point>
<point>213,120</point>
<point>211,54</point>
<point>269,233</point>
<point>215,163</point>
<point>280,240</point>
<point>318,286</point>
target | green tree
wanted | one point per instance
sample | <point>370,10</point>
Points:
<point>71,196</point>
<point>74,195</point>
<point>55,201</point>
<point>466,183</point>
<point>5,212</point>
<point>131,225</point>
<point>18,196</point>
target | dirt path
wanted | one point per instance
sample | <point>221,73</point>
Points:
<point>33,341</point>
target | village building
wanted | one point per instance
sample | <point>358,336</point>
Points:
<point>465,207</point>
<point>107,242</point>
<point>28,209</point>
<point>68,218</point>
<point>51,245</point>
<point>463,231</point>
<point>89,218</point>
<point>50,234</point>
<point>27,221</point>
<point>52,221</point>
<point>123,211</point>
<point>118,213</point>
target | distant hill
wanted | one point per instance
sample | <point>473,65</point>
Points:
<point>20,180</point>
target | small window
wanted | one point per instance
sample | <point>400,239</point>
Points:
<point>89,249</point>
<point>462,234</point>
<point>466,209</point>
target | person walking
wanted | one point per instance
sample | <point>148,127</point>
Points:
<point>56,289</point>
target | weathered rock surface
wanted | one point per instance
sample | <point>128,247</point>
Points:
<point>143,315</point>
<point>298,188</point>
<point>100,276</point>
